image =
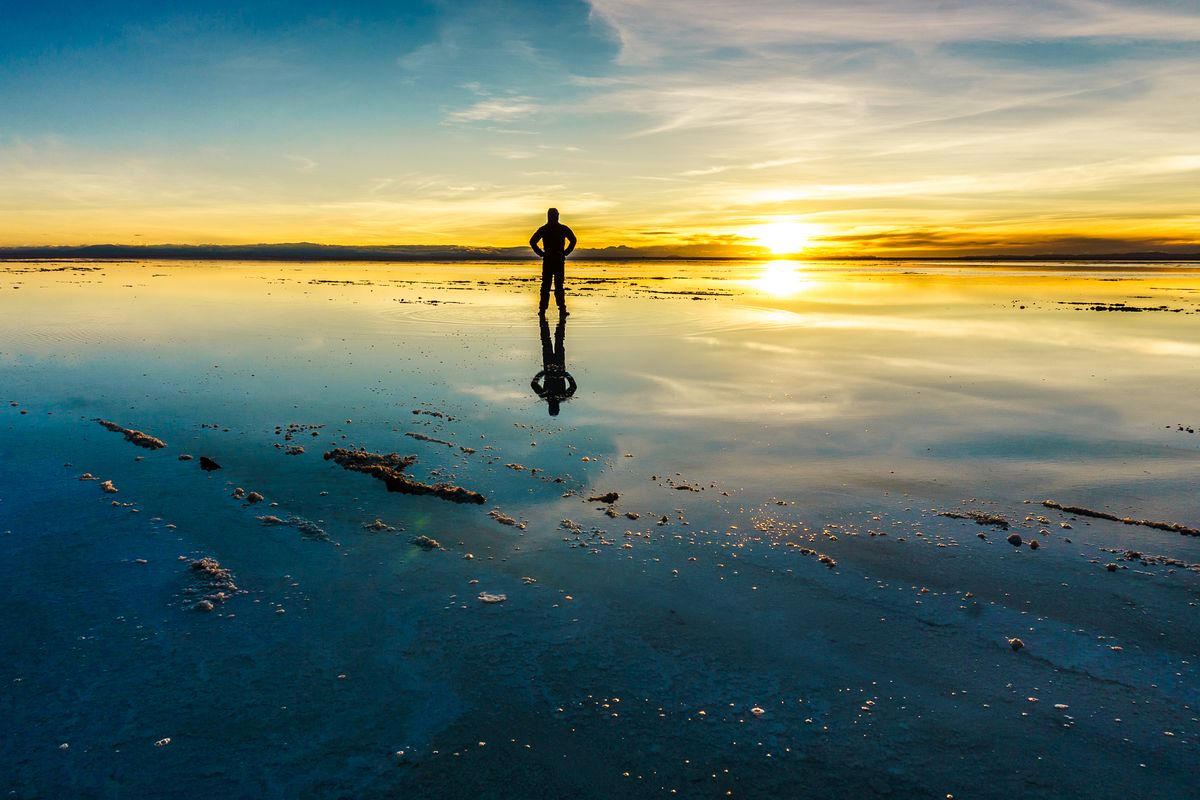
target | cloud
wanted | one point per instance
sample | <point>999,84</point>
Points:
<point>908,115</point>
<point>495,109</point>
<point>512,155</point>
<point>652,29</point>
<point>303,163</point>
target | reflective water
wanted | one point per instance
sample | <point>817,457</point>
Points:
<point>752,418</point>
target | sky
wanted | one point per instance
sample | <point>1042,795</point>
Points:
<point>700,127</point>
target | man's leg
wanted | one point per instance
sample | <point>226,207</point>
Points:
<point>547,346</point>
<point>547,276</point>
<point>560,295</point>
<point>559,353</point>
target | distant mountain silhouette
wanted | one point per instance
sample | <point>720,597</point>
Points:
<point>307,251</point>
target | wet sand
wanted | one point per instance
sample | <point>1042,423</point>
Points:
<point>758,553</point>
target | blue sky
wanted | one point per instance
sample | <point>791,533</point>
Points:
<point>895,125</point>
<point>115,72</point>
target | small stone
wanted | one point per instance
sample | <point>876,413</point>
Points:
<point>427,542</point>
<point>208,465</point>
<point>108,487</point>
<point>254,497</point>
<point>163,742</point>
<point>1033,545</point>
<point>238,493</point>
<point>203,605</point>
<point>1014,539</point>
<point>757,711</point>
<point>1111,567</point>
<point>489,597</point>
<point>1015,643</point>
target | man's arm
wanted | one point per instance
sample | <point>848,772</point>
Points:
<point>571,239</point>
<point>533,240</point>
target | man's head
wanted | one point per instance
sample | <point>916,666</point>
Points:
<point>552,215</point>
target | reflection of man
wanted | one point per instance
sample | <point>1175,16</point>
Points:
<point>554,384</point>
<point>554,251</point>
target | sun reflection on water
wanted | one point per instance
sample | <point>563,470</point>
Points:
<point>782,279</point>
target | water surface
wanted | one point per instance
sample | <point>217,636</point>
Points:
<point>752,418</point>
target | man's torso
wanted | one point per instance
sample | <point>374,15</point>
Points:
<point>554,237</point>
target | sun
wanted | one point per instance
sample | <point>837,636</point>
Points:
<point>783,238</point>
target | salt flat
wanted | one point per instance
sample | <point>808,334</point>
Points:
<point>774,604</point>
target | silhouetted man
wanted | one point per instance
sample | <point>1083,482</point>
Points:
<point>554,237</point>
<point>554,384</point>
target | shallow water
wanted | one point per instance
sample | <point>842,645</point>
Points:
<point>754,417</point>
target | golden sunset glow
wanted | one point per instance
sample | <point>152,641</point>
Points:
<point>669,127</point>
<point>783,238</point>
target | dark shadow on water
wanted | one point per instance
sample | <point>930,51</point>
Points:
<point>554,384</point>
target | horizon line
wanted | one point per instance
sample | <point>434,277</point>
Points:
<point>312,251</point>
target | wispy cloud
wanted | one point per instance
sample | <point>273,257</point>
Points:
<point>495,109</point>
<point>907,114</point>
<point>303,163</point>
<point>651,29</point>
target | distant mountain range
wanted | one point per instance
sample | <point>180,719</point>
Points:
<point>306,251</point>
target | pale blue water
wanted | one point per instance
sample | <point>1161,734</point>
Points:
<point>816,405</point>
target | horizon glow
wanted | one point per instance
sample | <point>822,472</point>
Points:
<point>772,126</point>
